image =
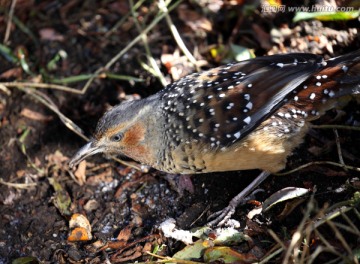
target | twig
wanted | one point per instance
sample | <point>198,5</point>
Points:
<point>293,249</point>
<point>336,126</point>
<point>123,19</point>
<point>317,163</point>
<point>149,56</point>
<point>9,21</point>
<point>41,85</point>
<point>176,35</point>
<point>129,46</point>
<point>338,147</point>
<point>18,185</point>
<point>50,104</point>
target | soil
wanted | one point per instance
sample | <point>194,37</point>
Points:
<point>36,145</point>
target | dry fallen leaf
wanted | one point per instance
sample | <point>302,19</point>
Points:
<point>194,20</point>
<point>80,173</point>
<point>79,234</point>
<point>125,233</point>
<point>91,205</point>
<point>12,73</point>
<point>33,115</point>
<point>80,228</point>
<point>50,34</point>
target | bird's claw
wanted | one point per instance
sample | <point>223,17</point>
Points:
<point>220,218</point>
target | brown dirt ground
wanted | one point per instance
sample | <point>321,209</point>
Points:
<point>114,196</point>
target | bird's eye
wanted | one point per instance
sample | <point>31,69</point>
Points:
<point>117,137</point>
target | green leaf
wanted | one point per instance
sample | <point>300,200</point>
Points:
<point>238,53</point>
<point>326,16</point>
<point>123,77</point>
<point>61,200</point>
<point>25,260</point>
<point>193,251</point>
<point>6,52</point>
<point>227,255</point>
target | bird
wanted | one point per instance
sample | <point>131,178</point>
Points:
<point>240,116</point>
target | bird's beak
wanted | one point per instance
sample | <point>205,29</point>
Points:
<point>89,149</point>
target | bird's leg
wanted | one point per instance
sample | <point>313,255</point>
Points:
<point>221,217</point>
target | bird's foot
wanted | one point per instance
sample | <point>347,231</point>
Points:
<point>222,217</point>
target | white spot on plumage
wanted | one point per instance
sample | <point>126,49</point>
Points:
<point>249,105</point>
<point>249,85</point>
<point>237,134</point>
<point>247,97</point>
<point>318,84</point>
<point>247,120</point>
<point>280,65</point>
<point>312,96</point>
<point>331,94</point>
<point>230,105</point>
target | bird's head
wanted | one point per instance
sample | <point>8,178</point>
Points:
<point>123,130</point>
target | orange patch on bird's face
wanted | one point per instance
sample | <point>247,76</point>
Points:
<point>133,135</point>
<point>132,147</point>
